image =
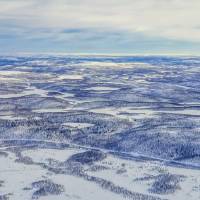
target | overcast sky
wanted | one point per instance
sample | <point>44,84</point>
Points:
<point>100,26</point>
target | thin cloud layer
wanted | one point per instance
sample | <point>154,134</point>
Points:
<point>62,20</point>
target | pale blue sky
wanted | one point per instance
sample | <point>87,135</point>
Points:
<point>106,26</point>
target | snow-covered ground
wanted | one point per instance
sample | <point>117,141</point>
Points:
<point>86,127</point>
<point>137,176</point>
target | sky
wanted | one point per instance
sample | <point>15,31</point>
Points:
<point>100,26</point>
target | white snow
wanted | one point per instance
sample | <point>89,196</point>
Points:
<point>78,125</point>
<point>70,77</point>
<point>42,155</point>
<point>101,88</point>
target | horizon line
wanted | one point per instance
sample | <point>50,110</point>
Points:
<point>96,54</point>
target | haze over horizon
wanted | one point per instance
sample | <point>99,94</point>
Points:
<point>106,27</point>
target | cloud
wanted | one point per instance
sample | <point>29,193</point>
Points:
<point>65,19</point>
